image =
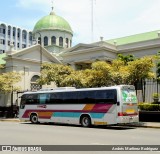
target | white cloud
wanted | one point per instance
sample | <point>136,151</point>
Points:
<point>112,18</point>
<point>150,16</point>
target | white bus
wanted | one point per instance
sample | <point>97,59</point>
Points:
<point>88,106</point>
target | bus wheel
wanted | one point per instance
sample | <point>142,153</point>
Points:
<point>34,118</point>
<point>85,121</point>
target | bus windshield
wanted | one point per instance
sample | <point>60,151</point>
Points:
<point>129,96</point>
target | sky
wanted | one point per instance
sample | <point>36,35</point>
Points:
<point>111,18</point>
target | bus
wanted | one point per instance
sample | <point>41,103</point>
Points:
<point>86,106</point>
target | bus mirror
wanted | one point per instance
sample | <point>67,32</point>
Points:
<point>118,103</point>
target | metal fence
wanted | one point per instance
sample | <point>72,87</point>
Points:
<point>146,88</point>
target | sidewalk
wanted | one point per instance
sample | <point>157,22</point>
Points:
<point>144,124</point>
<point>140,124</point>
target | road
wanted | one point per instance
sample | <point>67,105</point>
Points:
<point>14,133</point>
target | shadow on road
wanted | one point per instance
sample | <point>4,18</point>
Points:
<point>112,127</point>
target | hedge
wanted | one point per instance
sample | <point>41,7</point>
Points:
<point>149,107</point>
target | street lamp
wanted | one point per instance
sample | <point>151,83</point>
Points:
<point>40,49</point>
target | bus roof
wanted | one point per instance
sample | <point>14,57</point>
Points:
<point>68,89</point>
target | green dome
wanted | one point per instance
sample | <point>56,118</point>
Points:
<point>52,22</point>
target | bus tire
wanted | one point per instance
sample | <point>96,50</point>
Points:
<point>34,118</point>
<point>85,121</point>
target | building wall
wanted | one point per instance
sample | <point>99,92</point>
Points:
<point>21,38</point>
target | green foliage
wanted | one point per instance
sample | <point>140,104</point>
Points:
<point>158,65</point>
<point>54,72</point>
<point>7,81</point>
<point>126,58</point>
<point>141,69</point>
<point>101,73</point>
<point>149,107</point>
<point>155,95</point>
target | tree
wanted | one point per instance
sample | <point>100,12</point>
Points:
<point>141,68</point>
<point>126,58</point>
<point>158,65</point>
<point>75,79</point>
<point>55,73</point>
<point>119,72</point>
<point>8,81</point>
<point>101,73</point>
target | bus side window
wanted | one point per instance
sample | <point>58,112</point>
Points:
<point>32,99</point>
<point>44,98</point>
<point>23,101</point>
<point>86,97</point>
<point>56,98</point>
<point>100,96</point>
<point>106,96</point>
<point>70,97</point>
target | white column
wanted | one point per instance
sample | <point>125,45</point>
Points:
<point>57,41</point>
<point>49,40</point>
<point>20,42</point>
<point>64,42</point>
<point>68,43</point>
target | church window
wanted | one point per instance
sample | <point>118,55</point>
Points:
<point>67,42</point>
<point>39,40</point>
<point>61,41</point>
<point>53,40</point>
<point>45,41</point>
<point>34,84</point>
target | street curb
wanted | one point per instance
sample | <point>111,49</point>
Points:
<point>143,125</point>
<point>11,120</point>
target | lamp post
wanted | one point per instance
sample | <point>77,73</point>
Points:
<point>40,49</point>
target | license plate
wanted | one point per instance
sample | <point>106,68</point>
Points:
<point>130,111</point>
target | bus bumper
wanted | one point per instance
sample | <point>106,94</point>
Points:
<point>128,119</point>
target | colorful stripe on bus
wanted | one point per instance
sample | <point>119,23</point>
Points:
<point>95,110</point>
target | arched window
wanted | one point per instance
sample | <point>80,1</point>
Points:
<point>70,43</point>
<point>45,41</point>
<point>53,40</point>
<point>61,41</point>
<point>34,84</point>
<point>3,29</point>
<point>39,40</point>
<point>67,41</point>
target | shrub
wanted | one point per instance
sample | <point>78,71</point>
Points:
<point>149,107</point>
